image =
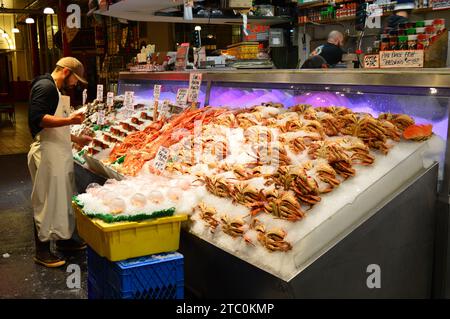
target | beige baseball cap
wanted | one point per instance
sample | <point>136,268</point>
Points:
<point>73,65</point>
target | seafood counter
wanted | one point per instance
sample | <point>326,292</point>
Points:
<point>271,185</point>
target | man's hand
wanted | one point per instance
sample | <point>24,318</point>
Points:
<point>81,140</point>
<point>76,118</point>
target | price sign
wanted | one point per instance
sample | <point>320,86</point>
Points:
<point>161,158</point>
<point>100,92</point>
<point>128,103</point>
<point>101,117</point>
<point>156,91</point>
<point>195,81</point>
<point>182,96</point>
<point>109,99</point>
<point>84,96</point>
<point>165,109</point>
<point>401,59</point>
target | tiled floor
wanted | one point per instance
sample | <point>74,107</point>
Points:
<point>15,138</point>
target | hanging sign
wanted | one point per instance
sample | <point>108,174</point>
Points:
<point>441,4</point>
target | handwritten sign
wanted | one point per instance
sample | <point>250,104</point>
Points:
<point>182,96</point>
<point>371,61</point>
<point>165,109</point>
<point>128,103</point>
<point>84,96</point>
<point>101,117</point>
<point>195,81</point>
<point>440,4</point>
<point>100,92</point>
<point>109,100</point>
<point>156,91</point>
<point>401,59</point>
<point>161,158</point>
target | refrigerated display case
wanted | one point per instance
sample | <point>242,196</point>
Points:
<point>375,237</point>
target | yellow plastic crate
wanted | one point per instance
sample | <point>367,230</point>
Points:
<point>123,240</point>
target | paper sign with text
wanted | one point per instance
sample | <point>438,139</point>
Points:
<point>100,92</point>
<point>161,158</point>
<point>195,81</point>
<point>182,96</point>
<point>156,91</point>
<point>109,99</point>
<point>84,96</point>
<point>401,59</point>
<point>371,61</point>
<point>101,117</point>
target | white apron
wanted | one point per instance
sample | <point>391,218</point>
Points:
<point>51,167</point>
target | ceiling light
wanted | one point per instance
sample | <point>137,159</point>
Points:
<point>29,21</point>
<point>49,10</point>
<point>198,28</point>
<point>15,30</point>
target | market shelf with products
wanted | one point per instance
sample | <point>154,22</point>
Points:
<point>294,182</point>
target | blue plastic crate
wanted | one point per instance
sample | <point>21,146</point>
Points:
<point>159,276</point>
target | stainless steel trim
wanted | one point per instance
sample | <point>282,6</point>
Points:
<point>439,78</point>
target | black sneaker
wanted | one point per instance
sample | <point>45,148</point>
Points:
<point>70,245</point>
<point>48,259</point>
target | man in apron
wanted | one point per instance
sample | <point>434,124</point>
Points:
<point>50,160</point>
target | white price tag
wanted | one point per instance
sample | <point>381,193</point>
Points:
<point>101,117</point>
<point>161,158</point>
<point>195,81</point>
<point>84,96</point>
<point>109,99</point>
<point>100,92</point>
<point>182,96</point>
<point>165,109</point>
<point>156,91</point>
<point>128,103</point>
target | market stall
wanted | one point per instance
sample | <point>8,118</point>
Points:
<point>348,180</point>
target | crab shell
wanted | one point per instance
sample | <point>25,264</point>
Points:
<point>418,132</point>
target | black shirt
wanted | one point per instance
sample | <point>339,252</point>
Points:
<point>44,99</point>
<point>331,53</point>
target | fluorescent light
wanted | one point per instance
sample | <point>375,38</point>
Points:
<point>29,20</point>
<point>15,30</point>
<point>49,10</point>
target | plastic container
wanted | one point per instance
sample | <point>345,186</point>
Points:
<point>123,240</point>
<point>152,277</point>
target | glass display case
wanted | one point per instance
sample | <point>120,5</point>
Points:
<point>384,213</point>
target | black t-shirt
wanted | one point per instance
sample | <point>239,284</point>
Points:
<point>44,99</point>
<point>331,53</point>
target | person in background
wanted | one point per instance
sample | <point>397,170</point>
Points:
<point>401,13</point>
<point>315,62</point>
<point>50,160</point>
<point>331,51</point>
